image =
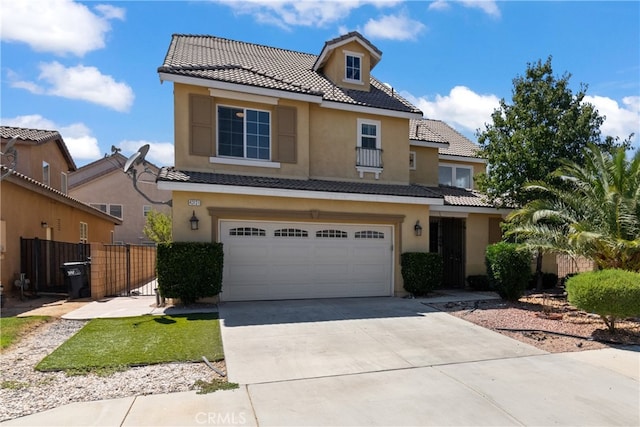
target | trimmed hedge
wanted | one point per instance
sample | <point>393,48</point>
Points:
<point>612,294</point>
<point>190,270</point>
<point>508,269</point>
<point>421,272</point>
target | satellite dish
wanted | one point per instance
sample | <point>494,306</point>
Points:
<point>137,158</point>
<point>10,145</point>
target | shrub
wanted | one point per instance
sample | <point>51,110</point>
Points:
<point>612,294</point>
<point>508,269</point>
<point>189,270</point>
<point>421,272</point>
<point>479,282</point>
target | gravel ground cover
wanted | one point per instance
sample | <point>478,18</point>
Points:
<point>551,313</point>
<point>24,391</point>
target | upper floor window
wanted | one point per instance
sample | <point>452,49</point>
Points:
<point>46,174</point>
<point>455,176</point>
<point>369,134</point>
<point>63,183</point>
<point>244,133</point>
<point>412,160</point>
<point>111,209</point>
<point>84,232</point>
<point>353,67</point>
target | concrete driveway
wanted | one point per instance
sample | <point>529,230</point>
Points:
<point>391,361</point>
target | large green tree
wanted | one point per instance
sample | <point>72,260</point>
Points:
<point>545,122</point>
<point>591,210</point>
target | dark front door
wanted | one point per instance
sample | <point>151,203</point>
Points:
<point>447,237</point>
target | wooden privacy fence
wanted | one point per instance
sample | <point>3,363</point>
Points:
<point>122,270</point>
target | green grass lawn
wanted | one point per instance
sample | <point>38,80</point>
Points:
<point>11,328</point>
<point>135,341</point>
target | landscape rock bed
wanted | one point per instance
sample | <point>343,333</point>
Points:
<point>546,321</point>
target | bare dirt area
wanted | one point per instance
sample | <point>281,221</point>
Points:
<point>546,321</point>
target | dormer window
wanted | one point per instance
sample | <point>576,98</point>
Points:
<point>353,67</point>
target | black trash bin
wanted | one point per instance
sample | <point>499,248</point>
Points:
<point>76,278</point>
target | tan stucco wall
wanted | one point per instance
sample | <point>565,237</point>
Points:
<point>186,161</point>
<point>117,188</point>
<point>334,68</point>
<point>327,136</point>
<point>480,232</point>
<point>426,172</point>
<point>405,239</point>
<point>30,158</point>
<point>24,210</point>
<point>334,136</point>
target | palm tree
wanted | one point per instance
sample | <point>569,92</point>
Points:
<point>591,210</point>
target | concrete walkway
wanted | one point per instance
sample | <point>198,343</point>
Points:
<point>381,361</point>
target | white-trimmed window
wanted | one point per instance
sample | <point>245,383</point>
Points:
<point>244,133</point>
<point>46,174</point>
<point>369,147</point>
<point>369,134</point>
<point>353,67</point>
<point>455,176</point>
<point>111,209</point>
<point>84,232</point>
<point>63,183</point>
<point>412,160</point>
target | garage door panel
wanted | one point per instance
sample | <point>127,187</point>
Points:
<point>290,261</point>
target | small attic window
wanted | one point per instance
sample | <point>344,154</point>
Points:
<point>353,67</point>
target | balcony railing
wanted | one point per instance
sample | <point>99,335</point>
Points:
<point>368,157</point>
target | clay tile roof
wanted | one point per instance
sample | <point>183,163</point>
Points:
<point>172,174</point>
<point>39,136</point>
<point>455,196</point>
<point>34,135</point>
<point>231,61</point>
<point>459,145</point>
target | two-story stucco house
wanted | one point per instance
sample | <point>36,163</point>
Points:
<point>105,186</point>
<point>34,204</point>
<point>314,175</point>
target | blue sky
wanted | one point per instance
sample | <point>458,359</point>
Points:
<point>89,68</point>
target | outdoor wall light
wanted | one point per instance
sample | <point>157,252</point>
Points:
<point>417,228</point>
<point>194,221</point>
<point>44,224</point>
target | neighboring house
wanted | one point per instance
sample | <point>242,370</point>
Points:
<point>34,201</point>
<point>104,185</point>
<point>315,175</point>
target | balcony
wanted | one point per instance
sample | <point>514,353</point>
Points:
<point>369,160</point>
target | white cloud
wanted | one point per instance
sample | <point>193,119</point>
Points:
<point>304,13</point>
<point>160,153</point>
<point>77,136</point>
<point>394,27</point>
<point>58,26</point>
<point>489,7</point>
<point>621,120</point>
<point>462,108</point>
<point>80,82</point>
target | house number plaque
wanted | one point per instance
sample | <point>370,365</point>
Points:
<point>194,202</point>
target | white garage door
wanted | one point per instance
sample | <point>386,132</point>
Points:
<point>272,260</point>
